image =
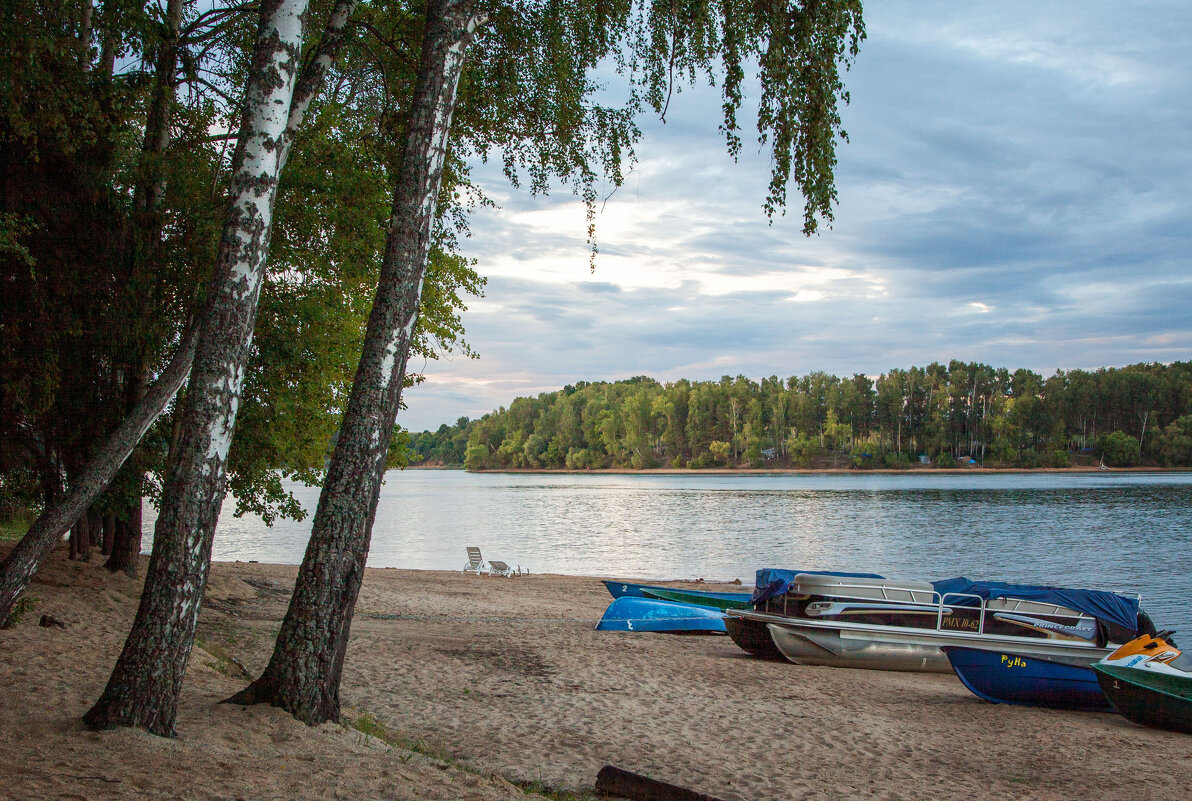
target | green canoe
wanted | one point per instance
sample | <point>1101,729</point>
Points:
<point>699,598</point>
<point>1151,699</point>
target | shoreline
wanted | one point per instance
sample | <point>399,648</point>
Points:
<point>505,685</point>
<point>803,471</point>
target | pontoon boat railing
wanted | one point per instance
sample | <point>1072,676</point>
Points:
<point>939,603</point>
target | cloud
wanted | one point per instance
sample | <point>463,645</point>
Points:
<point>1014,192</point>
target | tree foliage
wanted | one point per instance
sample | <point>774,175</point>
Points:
<point>89,313</point>
<point>567,135</point>
<point>959,411</point>
<point>117,111</point>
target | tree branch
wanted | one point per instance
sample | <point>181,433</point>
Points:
<point>24,560</point>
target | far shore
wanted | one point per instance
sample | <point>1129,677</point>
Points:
<point>808,471</point>
<point>482,688</point>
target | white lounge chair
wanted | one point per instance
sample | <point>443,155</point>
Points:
<point>499,568</point>
<point>475,561</point>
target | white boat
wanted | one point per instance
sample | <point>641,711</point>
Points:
<point>891,624</point>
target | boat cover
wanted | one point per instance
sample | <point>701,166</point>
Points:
<point>1105,606</point>
<point>772,582</point>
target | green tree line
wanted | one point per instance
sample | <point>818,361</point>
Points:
<point>943,413</point>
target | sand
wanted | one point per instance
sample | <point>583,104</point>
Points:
<point>505,682</point>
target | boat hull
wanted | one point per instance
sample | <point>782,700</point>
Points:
<point>753,637</point>
<point>1010,678</point>
<point>715,600</point>
<point>1156,700</point>
<point>877,647</point>
<point>620,589</point>
<point>835,648</point>
<point>632,613</point>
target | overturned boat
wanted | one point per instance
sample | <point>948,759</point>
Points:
<point>866,621</point>
<point>638,613</point>
<point>648,607</point>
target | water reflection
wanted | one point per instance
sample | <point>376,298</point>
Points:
<point>1114,531</point>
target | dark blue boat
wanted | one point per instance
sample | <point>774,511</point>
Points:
<point>620,589</point>
<point>1004,678</point>
<point>634,613</point>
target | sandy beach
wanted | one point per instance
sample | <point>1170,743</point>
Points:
<point>503,683</point>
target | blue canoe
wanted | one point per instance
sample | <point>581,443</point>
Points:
<point>1015,679</point>
<point>622,589</point>
<point>634,613</point>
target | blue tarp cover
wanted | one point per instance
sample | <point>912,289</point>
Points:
<point>1106,606</point>
<point>772,581</point>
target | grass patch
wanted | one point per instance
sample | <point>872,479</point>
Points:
<point>12,530</point>
<point>222,660</point>
<point>22,607</point>
<point>553,793</point>
<point>368,724</point>
<point>219,641</point>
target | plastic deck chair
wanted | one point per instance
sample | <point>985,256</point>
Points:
<point>498,568</point>
<point>475,561</point>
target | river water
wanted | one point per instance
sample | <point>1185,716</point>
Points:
<point>1120,531</point>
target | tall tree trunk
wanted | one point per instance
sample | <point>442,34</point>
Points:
<point>157,125</point>
<point>123,556</point>
<point>146,682</point>
<point>145,685</point>
<point>145,263</point>
<point>22,562</point>
<point>109,533</point>
<point>85,35</point>
<point>126,541</point>
<point>80,539</point>
<point>303,675</point>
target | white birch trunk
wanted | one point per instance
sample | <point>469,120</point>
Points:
<point>144,687</point>
<point>304,673</point>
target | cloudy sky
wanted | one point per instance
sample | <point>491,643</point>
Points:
<point>1016,191</point>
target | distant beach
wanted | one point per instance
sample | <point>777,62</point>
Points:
<point>503,683</point>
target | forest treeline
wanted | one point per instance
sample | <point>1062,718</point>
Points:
<point>1140,414</point>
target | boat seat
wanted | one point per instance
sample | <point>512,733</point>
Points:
<point>905,590</point>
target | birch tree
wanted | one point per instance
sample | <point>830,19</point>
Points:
<point>799,48</point>
<point>305,680</point>
<point>145,684</point>
<point>27,556</point>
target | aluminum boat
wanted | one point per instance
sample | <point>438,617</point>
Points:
<point>893,624</point>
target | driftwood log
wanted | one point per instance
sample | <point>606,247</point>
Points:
<point>615,781</point>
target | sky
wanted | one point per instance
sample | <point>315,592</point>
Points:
<point>1015,191</point>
